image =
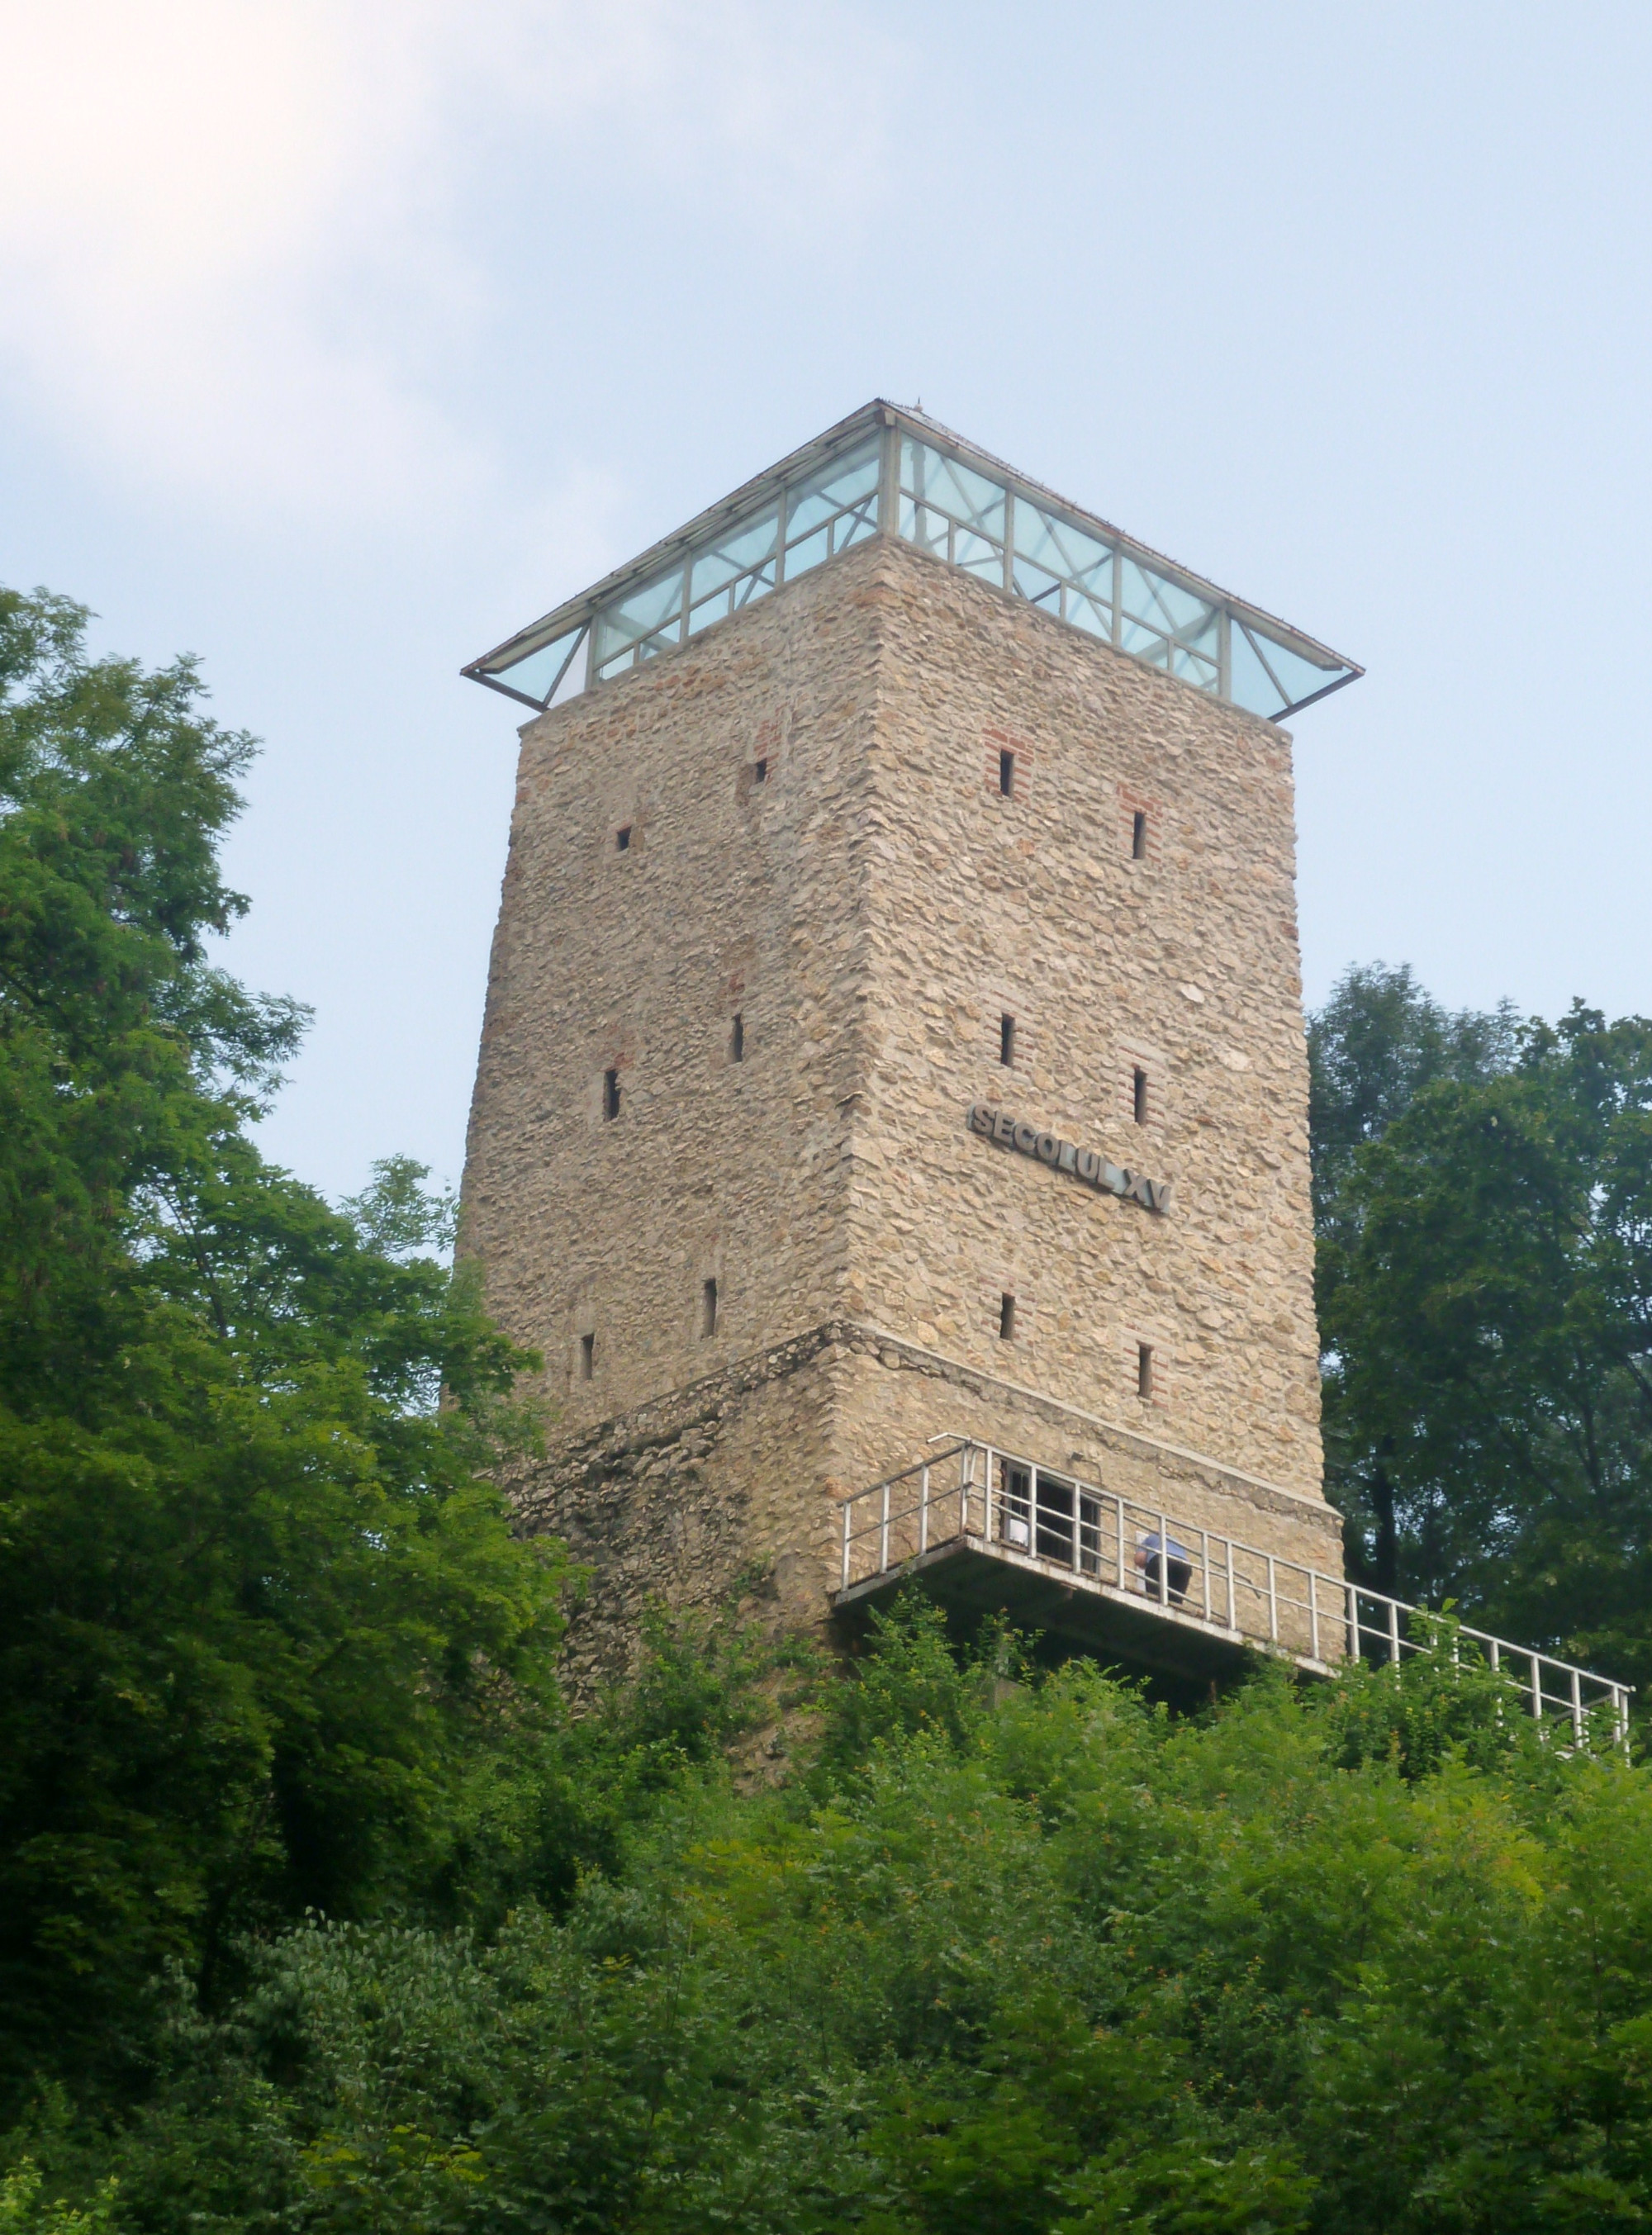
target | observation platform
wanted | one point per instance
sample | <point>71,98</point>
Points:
<point>887,470</point>
<point>983,1530</point>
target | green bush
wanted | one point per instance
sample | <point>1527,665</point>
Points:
<point>1036,1958</point>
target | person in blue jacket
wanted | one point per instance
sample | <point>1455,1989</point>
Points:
<point>1178,1566</point>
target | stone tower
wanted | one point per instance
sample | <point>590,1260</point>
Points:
<point>894,1043</point>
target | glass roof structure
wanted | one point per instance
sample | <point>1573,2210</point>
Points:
<point>886,470</point>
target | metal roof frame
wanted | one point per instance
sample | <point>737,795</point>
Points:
<point>577,614</point>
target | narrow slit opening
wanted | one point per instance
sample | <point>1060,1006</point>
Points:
<point>760,771</point>
<point>1006,1039</point>
<point>736,1039</point>
<point>1143,1370</point>
<point>1138,1094</point>
<point>1006,1318</point>
<point>622,839</point>
<point>610,1094</point>
<point>708,1308</point>
<point>1139,838</point>
<point>1007,775</point>
<point>588,1356</point>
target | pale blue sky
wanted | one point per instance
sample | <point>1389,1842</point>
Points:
<point>338,340</point>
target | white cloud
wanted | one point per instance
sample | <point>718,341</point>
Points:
<point>230,251</point>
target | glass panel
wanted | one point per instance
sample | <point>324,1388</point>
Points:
<point>1061,568</point>
<point>1193,668</point>
<point>1064,550</point>
<point>742,552</point>
<point>855,527</point>
<point>977,556</point>
<point>1034,585</point>
<point>734,573</point>
<point>1087,612</point>
<point>577,674</point>
<point>930,531</point>
<point>799,557</point>
<point>1145,643</point>
<point>1252,687</point>
<point>535,675</point>
<point>847,483</point>
<point>722,603</point>
<point>637,614</point>
<point>1164,605</point>
<point>1300,677</point>
<point>965,496</point>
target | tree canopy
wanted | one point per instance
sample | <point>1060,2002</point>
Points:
<point>1005,1954</point>
<point>257,1602</point>
<point>1484,1193</point>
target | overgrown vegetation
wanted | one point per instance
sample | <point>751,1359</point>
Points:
<point>317,1911</point>
<point>1027,1956</point>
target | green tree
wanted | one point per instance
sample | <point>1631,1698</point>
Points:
<point>1489,1326</point>
<point>260,1611</point>
<point>1379,1042</point>
<point>116,789</point>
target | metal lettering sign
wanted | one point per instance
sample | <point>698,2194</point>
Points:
<point>1084,1165</point>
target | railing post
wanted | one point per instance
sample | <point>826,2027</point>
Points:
<point>1536,1687</point>
<point>1353,1591</point>
<point>1393,1632</point>
<point>987,1500</point>
<point>1163,1560</point>
<point>1233,1617</point>
<point>966,1469</point>
<point>923,1511</point>
<point>1576,1707</point>
<point>1273,1603</point>
<point>883,1532</point>
<point>1119,1505</point>
<point>1077,1526</point>
<point>1204,1562</point>
<point>848,1504</point>
<point>1314,1613</point>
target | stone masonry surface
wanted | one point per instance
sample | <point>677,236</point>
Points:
<point>1182,963</point>
<point>766,1280</point>
<point>695,1498</point>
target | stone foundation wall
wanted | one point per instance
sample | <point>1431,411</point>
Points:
<point>737,1481</point>
<point>682,1499</point>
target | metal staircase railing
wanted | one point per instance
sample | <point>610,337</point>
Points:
<point>1101,1542</point>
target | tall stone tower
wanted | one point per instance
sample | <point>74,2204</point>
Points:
<point>894,1052</point>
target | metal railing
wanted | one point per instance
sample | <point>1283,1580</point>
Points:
<point>1110,1544</point>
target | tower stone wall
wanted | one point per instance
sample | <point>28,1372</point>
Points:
<point>817,841</point>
